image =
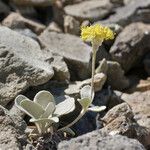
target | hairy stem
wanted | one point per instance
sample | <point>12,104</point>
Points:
<point>93,70</point>
<point>77,119</point>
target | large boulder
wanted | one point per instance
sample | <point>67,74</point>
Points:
<point>97,140</point>
<point>33,2</point>
<point>23,64</point>
<point>76,53</point>
<point>135,10</point>
<point>131,45</point>
<point>91,10</point>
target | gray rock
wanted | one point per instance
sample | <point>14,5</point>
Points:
<point>137,10</point>
<point>22,64</point>
<point>16,21</point>
<point>54,27</point>
<point>12,134</point>
<point>76,54</point>
<point>74,88</point>
<point>114,73</point>
<point>139,102</point>
<point>71,25</point>
<point>27,32</point>
<point>116,77</point>
<point>90,10</point>
<point>61,72</point>
<point>131,45</point>
<point>33,2</point>
<point>97,140</point>
<point>118,111</point>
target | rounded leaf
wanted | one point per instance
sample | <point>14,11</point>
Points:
<point>65,107</point>
<point>44,98</point>
<point>19,99</point>
<point>32,109</point>
<point>48,110</point>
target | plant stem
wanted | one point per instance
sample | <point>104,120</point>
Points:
<point>93,68</point>
<point>76,120</point>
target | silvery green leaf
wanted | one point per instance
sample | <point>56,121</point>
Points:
<point>46,120</point>
<point>97,108</point>
<point>86,92</point>
<point>48,110</point>
<point>31,108</point>
<point>85,102</point>
<point>43,98</point>
<point>68,130</point>
<point>19,99</point>
<point>65,107</point>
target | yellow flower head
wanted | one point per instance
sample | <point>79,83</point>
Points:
<point>96,33</point>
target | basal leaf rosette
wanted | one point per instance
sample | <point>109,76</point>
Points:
<point>43,110</point>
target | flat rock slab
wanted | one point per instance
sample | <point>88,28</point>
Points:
<point>76,53</point>
<point>97,140</point>
<point>92,10</point>
<point>131,45</point>
<point>21,64</point>
<point>136,10</point>
<point>33,2</point>
<point>16,21</point>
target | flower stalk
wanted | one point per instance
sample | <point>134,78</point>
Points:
<point>96,34</point>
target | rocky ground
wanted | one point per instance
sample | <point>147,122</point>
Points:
<point>40,49</point>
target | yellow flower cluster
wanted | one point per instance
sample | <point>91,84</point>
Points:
<point>96,33</point>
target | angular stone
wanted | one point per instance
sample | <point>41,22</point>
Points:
<point>89,10</point>
<point>119,120</point>
<point>118,111</point>
<point>116,77</point>
<point>33,2</point>
<point>76,54</point>
<point>11,134</point>
<point>61,72</point>
<point>139,102</point>
<point>115,74</point>
<point>140,85</point>
<point>54,27</point>
<point>131,45</point>
<point>22,64</point>
<point>137,10</point>
<point>97,140</point>
<point>74,88</point>
<point>71,25</point>
<point>16,21</point>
